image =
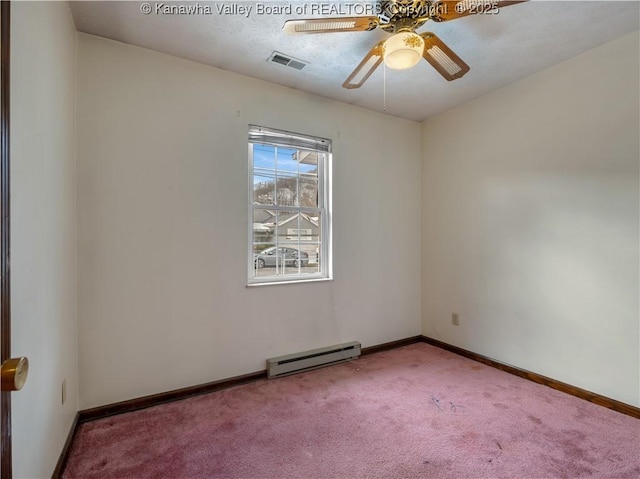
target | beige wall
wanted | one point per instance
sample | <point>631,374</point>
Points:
<point>43,230</point>
<point>530,223</point>
<point>162,201</point>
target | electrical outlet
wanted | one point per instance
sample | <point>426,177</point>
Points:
<point>455,319</point>
<point>64,391</point>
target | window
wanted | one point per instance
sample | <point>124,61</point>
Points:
<point>289,207</point>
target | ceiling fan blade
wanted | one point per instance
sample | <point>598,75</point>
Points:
<point>446,10</point>
<point>442,58</point>
<point>330,25</point>
<point>366,67</point>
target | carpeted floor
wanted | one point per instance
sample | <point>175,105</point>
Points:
<point>413,412</point>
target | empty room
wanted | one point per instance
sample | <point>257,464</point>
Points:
<point>291,239</point>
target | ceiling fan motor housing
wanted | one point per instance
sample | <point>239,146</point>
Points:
<point>397,15</point>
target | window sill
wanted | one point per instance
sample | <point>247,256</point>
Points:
<point>289,281</point>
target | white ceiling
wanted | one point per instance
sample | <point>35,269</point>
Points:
<point>519,41</point>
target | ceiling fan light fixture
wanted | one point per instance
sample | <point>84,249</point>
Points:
<point>403,50</point>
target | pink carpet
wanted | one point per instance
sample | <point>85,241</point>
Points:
<point>413,412</point>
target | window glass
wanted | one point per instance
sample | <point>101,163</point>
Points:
<point>289,208</point>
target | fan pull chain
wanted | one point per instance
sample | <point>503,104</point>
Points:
<point>384,87</point>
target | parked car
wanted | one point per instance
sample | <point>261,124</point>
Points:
<point>290,256</point>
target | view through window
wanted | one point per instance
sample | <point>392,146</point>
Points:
<point>289,217</point>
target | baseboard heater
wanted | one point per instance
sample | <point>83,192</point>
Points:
<point>316,358</point>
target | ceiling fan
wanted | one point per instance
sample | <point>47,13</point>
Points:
<point>405,47</point>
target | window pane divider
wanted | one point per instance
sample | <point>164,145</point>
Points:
<point>302,209</point>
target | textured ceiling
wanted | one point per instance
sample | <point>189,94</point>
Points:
<point>500,48</point>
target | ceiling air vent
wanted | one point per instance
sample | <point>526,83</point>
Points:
<point>286,60</point>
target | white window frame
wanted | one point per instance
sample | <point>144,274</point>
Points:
<point>289,140</point>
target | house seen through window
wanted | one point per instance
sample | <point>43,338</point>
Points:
<point>289,214</point>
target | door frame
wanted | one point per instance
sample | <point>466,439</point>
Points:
<point>5,237</point>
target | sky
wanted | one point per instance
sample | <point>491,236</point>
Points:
<point>264,158</point>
